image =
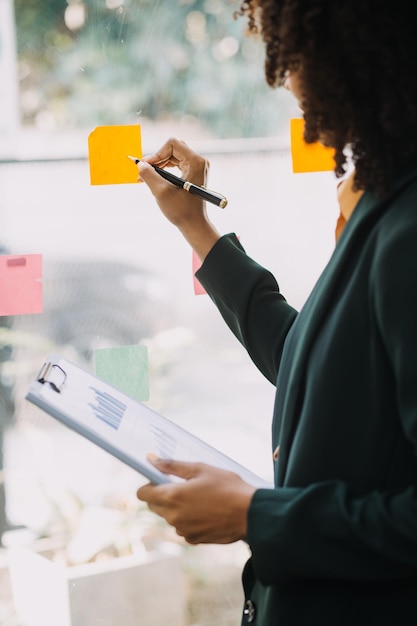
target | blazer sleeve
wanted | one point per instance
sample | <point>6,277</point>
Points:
<point>248,297</point>
<point>323,532</point>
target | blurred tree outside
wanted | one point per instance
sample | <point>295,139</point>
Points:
<point>9,97</point>
<point>89,62</point>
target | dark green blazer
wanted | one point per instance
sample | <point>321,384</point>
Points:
<point>336,541</point>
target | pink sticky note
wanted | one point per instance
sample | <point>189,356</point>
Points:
<point>21,284</point>
<point>198,287</point>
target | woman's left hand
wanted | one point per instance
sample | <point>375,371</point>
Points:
<point>209,506</point>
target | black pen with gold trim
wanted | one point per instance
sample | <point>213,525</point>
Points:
<point>201,192</point>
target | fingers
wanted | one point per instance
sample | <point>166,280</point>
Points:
<point>161,189</point>
<point>176,153</point>
<point>148,175</point>
<point>223,501</point>
<point>170,154</point>
<point>182,469</point>
<point>154,495</point>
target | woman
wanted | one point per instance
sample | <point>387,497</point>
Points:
<point>336,541</point>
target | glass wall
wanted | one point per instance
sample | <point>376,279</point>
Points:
<point>116,274</point>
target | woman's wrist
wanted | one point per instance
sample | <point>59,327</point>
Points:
<point>201,238</point>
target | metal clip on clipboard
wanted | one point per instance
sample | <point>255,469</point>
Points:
<point>52,374</point>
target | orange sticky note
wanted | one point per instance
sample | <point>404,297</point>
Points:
<point>313,157</point>
<point>21,284</point>
<point>108,149</point>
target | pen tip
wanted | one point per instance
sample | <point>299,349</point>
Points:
<point>134,159</point>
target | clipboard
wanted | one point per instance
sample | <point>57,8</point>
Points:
<point>121,425</point>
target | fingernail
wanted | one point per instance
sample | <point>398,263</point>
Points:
<point>152,457</point>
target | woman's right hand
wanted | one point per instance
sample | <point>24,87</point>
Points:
<point>186,211</point>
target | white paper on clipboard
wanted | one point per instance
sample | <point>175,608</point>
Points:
<point>122,426</point>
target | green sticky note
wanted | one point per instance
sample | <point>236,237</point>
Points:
<point>126,368</point>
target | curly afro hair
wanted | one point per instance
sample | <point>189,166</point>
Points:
<point>357,61</point>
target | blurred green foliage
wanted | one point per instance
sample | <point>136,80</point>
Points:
<point>89,62</point>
